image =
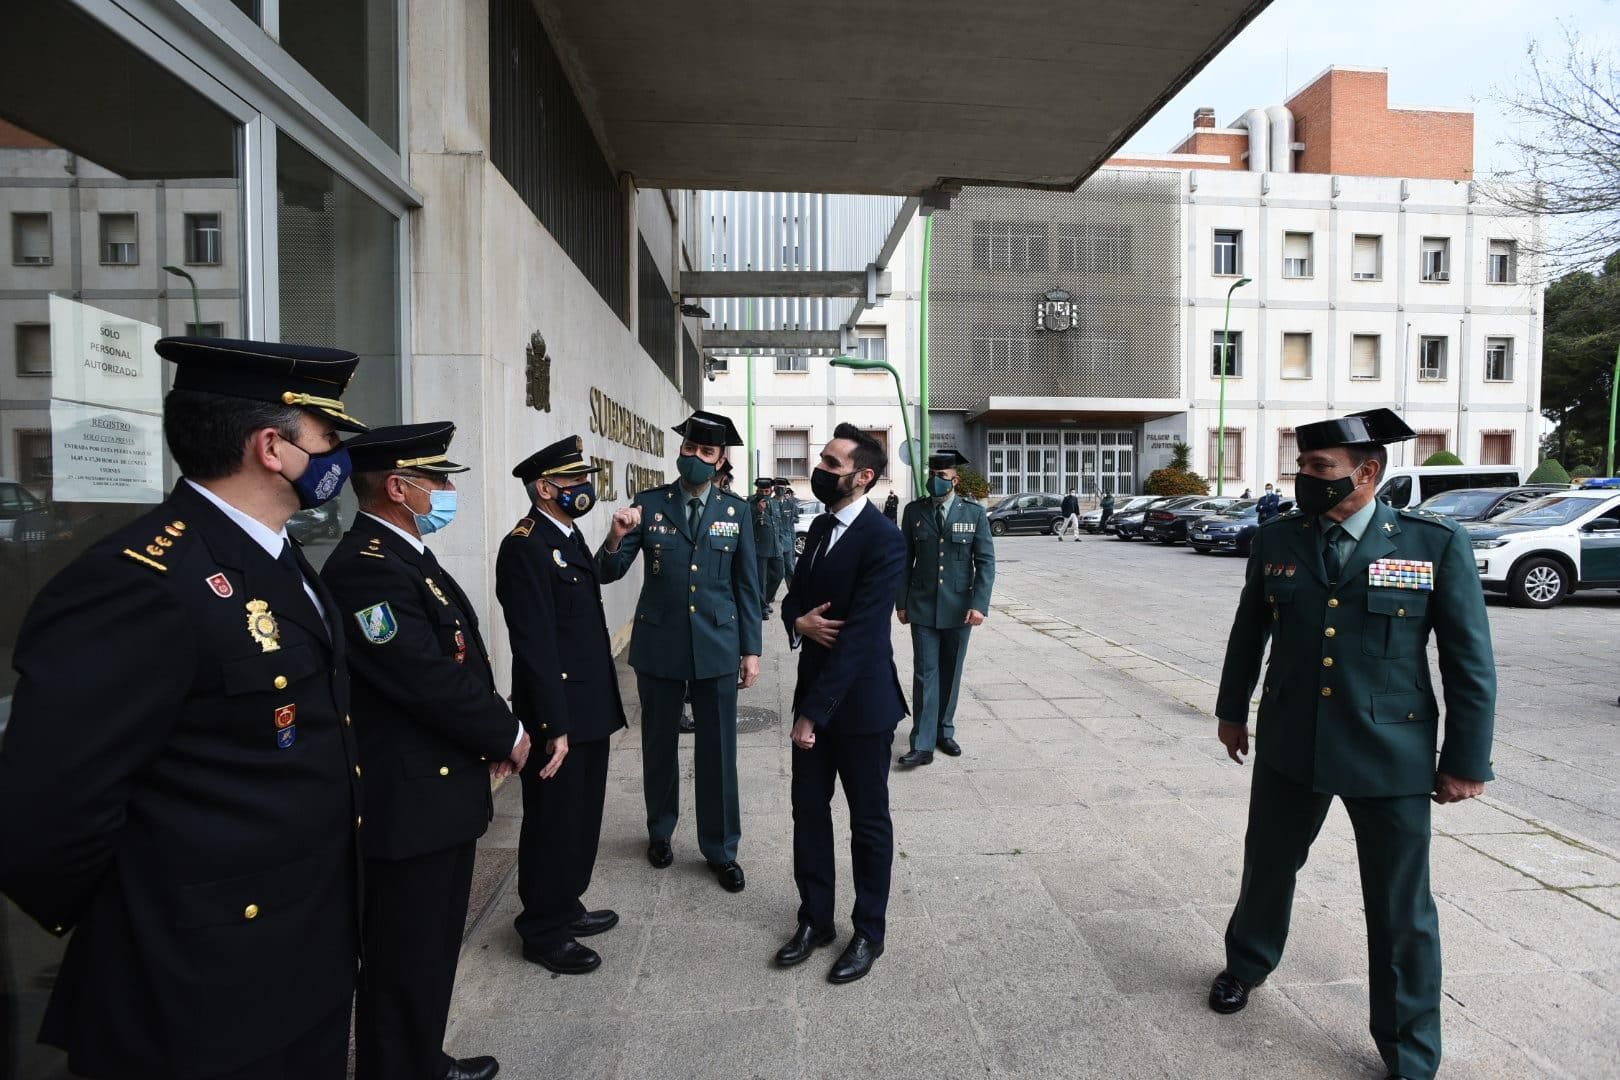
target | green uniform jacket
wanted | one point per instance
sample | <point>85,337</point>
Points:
<point>787,517</point>
<point>765,514</point>
<point>1347,706</point>
<point>699,611</point>
<point>945,576</point>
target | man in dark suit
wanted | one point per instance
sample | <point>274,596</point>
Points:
<point>179,780</point>
<point>566,692</point>
<point>431,728</point>
<point>846,703</point>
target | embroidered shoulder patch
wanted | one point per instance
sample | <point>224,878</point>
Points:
<point>377,623</point>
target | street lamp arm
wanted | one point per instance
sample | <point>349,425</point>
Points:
<point>857,363</point>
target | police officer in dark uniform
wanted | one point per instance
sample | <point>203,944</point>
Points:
<point>430,723</point>
<point>1348,591</point>
<point>566,691</point>
<point>788,516</point>
<point>766,514</point>
<point>697,631</point>
<point>179,784</point>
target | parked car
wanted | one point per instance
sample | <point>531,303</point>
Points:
<point>1129,526</point>
<point>324,522</point>
<point>1404,486</point>
<point>1027,512</point>
<point>1480,504</point>
<point>809,510</point>
<point>1231,529</point>
<point>25,518</point>
<point>1169,525</point>
<point>1547,549</point>
<point>1091,520</point>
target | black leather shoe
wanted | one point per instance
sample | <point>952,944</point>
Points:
<point>593,922</point>
<point>949,746</point>
<point>473,1068</point>
<point>687,724</point>
<point>729,875</point>
<point>659,854</point>
<point>805,940</point>
<point>856,960</point>
<point>567,958</point>
<point>912,759</point>
<point>1228,993</point>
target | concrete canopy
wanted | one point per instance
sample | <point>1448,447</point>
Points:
<point>888,97</point>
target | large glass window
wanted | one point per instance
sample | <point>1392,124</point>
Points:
<point>353,49</point>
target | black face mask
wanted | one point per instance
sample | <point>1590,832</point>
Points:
<point>1316,496</point>
<point>828,486</point>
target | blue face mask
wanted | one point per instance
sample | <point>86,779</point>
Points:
<point>938,487</point>
<point>694,470</point>
<point>322,478</point>
<point>441,510</point>
<point>577,501</point>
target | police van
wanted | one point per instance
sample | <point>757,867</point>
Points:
<point>1405,486</point>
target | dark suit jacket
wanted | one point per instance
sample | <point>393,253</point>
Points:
<point>185,796</point>
<point>851,688</point>
<point>425,707</point>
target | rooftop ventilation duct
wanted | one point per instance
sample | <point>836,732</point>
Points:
<point>1282,138</point>
<point>1258,125</point>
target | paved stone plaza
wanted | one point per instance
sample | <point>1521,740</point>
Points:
<point>1060,890</point>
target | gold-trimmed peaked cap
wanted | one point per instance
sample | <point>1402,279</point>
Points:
<point>423,447</point>
<point>708,429</point>
<point>308,376</point>
<point>565,457</point>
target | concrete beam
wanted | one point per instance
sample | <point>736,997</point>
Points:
<point>724,284</point>
<point>770,340</point>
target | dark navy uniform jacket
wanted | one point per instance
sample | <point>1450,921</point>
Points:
<point>179,788</point>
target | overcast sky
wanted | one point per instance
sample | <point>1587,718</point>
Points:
<point>1439,52</point>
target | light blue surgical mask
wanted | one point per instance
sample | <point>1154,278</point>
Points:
<point>441,509</point>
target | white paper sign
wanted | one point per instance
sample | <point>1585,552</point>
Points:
<point>102,358</point>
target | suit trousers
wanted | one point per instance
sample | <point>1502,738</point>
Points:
<point>937,659</point>
<point>321,1053</point>
<point>714,756</point>
<point>1403,931</point>
<point>860,763</point>
<point>415,913</point>
<point>562,825</point>
<point>770,578</point>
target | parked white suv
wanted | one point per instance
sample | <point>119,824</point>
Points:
<point>1545,550</point>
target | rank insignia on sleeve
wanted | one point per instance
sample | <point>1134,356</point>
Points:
<point>286,715</point>
<point>557,557</point>
<point>261,623</point>
<point>377,623</point>
<point>286,736</point>
<point>221,586</point>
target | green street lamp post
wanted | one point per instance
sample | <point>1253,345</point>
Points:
<point>1614,402</point>
<point>196,305</point>
<point>1226,364</point>
<point>857,363</point>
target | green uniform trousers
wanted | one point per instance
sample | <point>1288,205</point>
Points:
<point>937,659</point>
<point>714,755</point>
<point>770,578</point>
<point>1403,931</point>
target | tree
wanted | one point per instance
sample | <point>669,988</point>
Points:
<point>1566,151</point>
<point>1178,478</point>
<point>1548,472</point>
<point>1442,457</point>
<point>971,484</point>
<point>1582,331</point>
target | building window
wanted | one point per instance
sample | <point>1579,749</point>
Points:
<point>1367,258</point>
<point>792,363</point>
<point>205,329</point>
<point>1431,359</point>
<point>1287,454</point>
<point>1296,255</point>
<point>1364,358</point>
<point>1436,265</point>
<point>1503,268</point>
<point>1227,353</point>
<point>882,437</point>
<point>1008,358</point>
<point>1228,253</point>
<point>1496,448</point>
<point>793,454</point>
<point>34,460</point>
<point>872,343</point>
<point>33,349</point>
<point>119,245</point>
<point>1296,358</point>
<point>1009,245</point>
<point>204,237</point>
<point>1429,443</point>
<point>1498,359</point>
<point>31,239</point>
<point>1230,464</point>
<point>719,365</point>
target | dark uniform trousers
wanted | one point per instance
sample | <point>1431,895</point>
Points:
<point>937,660</point>
<point>860,763</point>
<point>562,822</point>
<point>714,760</point>
<point>770,577</point>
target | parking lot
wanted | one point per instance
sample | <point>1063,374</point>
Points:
<point>1558,725</point>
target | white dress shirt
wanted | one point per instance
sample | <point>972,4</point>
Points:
<point>271,541</point>
<point>842,520</point>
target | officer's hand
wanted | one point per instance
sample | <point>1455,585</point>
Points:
<point>747,672</point>
<point>975,617</point>
<point>823,632</point>
<point>1450,789</point>
<point>1235,737</point>
<point>900,613</point>
<point>556,750</point>
<point>804,733</point>
<point>520,752</point>
<point>500,770</point>
<point>626,520</point>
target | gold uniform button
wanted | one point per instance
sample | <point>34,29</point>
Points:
<point>565,676</point>
<point>357,772</point>
<point>1327,661</point>
<point>694,588</point>
<point>1327,691</point>
<point>358,821</point>
<point>692,608</point>
<point>444,770</point>
<point>694,568</point>
<point>281,682</point>
<point>347,720</point>
<point>1400,611</point>
<point>251,911</point>
<point>1330,632</point>
<point>1411,716</point>
<point>1333,601</point>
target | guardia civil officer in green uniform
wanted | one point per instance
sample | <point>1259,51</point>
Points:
<point>944,594</point>
<point>765,512</point>
<point>1349,591</point>
<point>789,517</point>
<point>697,632</point>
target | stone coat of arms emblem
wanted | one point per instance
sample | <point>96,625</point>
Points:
<point>1057,312</point>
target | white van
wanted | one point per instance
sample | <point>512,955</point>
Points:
<point>1405,486</point>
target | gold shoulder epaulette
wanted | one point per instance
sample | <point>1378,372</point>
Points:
<point>524,527</point>
<point>374,554</point>
<point>159,547</point>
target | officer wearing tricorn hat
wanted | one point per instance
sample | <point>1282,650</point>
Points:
<point>765,514</point>
<point>1348,591</point>
<point>697,631</point>
<point>187,801</point>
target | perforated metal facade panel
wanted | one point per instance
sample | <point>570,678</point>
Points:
<point>1113,245</point>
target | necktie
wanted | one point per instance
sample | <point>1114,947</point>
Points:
<point>1330,552</point>
<point>290,561</point>
<point>294,565</point>
<point>939,519</point>
<point>694,515</point>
